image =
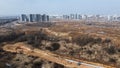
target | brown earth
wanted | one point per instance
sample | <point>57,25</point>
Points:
<point>98,43</point>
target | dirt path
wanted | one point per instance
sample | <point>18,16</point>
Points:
<point>21,48</point>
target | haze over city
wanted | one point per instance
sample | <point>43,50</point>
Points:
<point>103,7</point>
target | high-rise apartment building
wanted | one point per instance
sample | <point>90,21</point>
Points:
<point>32,17</point>
<point>79,17</point>
<point>24,18</point>
<point>35,18</point>
<point>38,18</point>
<point>72,16</point>
<point>47,18</point>
<point>43,17</point>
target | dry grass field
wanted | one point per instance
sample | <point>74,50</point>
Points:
<point>93,42</point>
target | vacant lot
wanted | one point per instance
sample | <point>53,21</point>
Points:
<point>92,42</point>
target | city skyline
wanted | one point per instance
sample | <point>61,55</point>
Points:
<point>54,7</point>
<point>34,18</point>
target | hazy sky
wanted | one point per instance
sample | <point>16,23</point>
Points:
<point>14,7</point>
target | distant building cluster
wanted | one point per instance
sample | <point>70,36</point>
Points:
<point>98,18</point>
<point>72,17</point>
<point>34,18</point>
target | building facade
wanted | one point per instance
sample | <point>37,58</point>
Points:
<point>34,18</point>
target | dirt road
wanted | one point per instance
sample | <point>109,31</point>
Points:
<point>21,48</point>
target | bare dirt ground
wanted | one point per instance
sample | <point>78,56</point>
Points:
<point>18,60</point>
<point>96,30</point>
<point>96,42</point>
<point>52,57</point>
<point>102,30</point>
